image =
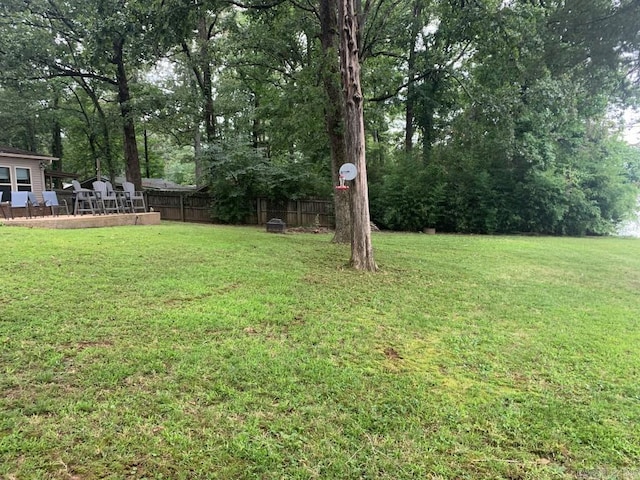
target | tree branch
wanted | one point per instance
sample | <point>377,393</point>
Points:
<point>63,71</point>
<point>387,96</point>
<point>196,71</point>
<point>264,6</point>
<point>310,8</point>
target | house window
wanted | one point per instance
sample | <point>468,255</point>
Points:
<point>23,179</point>
<point>14,178</point>
<point>5,183</point>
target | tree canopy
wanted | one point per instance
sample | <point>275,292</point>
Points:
<point>484,116</point>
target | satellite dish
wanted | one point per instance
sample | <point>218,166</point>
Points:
<point>348,171</point>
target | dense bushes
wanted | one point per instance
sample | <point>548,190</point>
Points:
<point>587,195</point>
<point>240,173</point>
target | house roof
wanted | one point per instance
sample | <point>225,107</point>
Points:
<point>147,184</point>
<point>162,184</point>
<point>26,154</point>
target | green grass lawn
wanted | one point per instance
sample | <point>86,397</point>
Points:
<point>195,351</point>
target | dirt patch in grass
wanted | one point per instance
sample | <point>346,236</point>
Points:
<point>95,344</point>
<point>309,230</point>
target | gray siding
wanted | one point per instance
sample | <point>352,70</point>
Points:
<point>37,174</point>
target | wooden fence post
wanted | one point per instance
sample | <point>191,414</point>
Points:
<point>258,210</point>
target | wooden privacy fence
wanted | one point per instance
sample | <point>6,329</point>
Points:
<point>196,207</point>
<point>181,206</point>
<point>296,213</point>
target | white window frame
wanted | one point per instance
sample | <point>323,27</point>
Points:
<point>13,181</point>
<point>10,184</point>
<point>21,186</point>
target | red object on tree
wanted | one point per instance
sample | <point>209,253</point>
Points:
<point>342,186</point>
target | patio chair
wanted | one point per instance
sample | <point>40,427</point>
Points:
<point>2,205</point>
<point>119,194</point>
<point>108,201</point>
<point>35,203</point>
<point>51,201</point>
<point>135,200</point>
<point>85,199</point>
<point>20,200</point>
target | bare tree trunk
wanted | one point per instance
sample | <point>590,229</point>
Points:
<point>197,149</point>
<point>56,134</point>
<point>105,150</point>
<point>56,142</point>
<point>410,104</point>
<point>361,248</point>
<point>257,134</point>
<point>207,84</point>
<point>201,66</point>
<point>132,161</point>
<point>334,115</point>
<point>200,62</point>
<point>31,143</point>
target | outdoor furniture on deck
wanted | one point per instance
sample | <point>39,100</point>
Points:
<point>33,202</point>
<point>120,196</point>
<point>2,205</point>
<point>51,201</point>
<point>135,200</point>
<point>85,199</point>
<point>20,200</point>
<point>107,201</point>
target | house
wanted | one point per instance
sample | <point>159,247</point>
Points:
<point>21,170</point>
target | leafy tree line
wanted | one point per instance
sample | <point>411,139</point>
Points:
<point>483,116</point>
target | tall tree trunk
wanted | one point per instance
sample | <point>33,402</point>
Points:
<point>31,143</point>
<point>197,148</point>
<point>207,84</point>
<point>361,248</point>
<point>431,91</point>
<point>201,171</point>
<point>132,160</point>
<point>56,134</point>
<point>201,66</point>
<point>56,142</point>
<point>106,151</point>
<point>409,111</point>
<point>334,114</point>
<point>256,126</point>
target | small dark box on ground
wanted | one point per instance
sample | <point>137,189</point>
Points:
<point>275,225</point>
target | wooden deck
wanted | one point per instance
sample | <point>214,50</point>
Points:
<point>84,221</point>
